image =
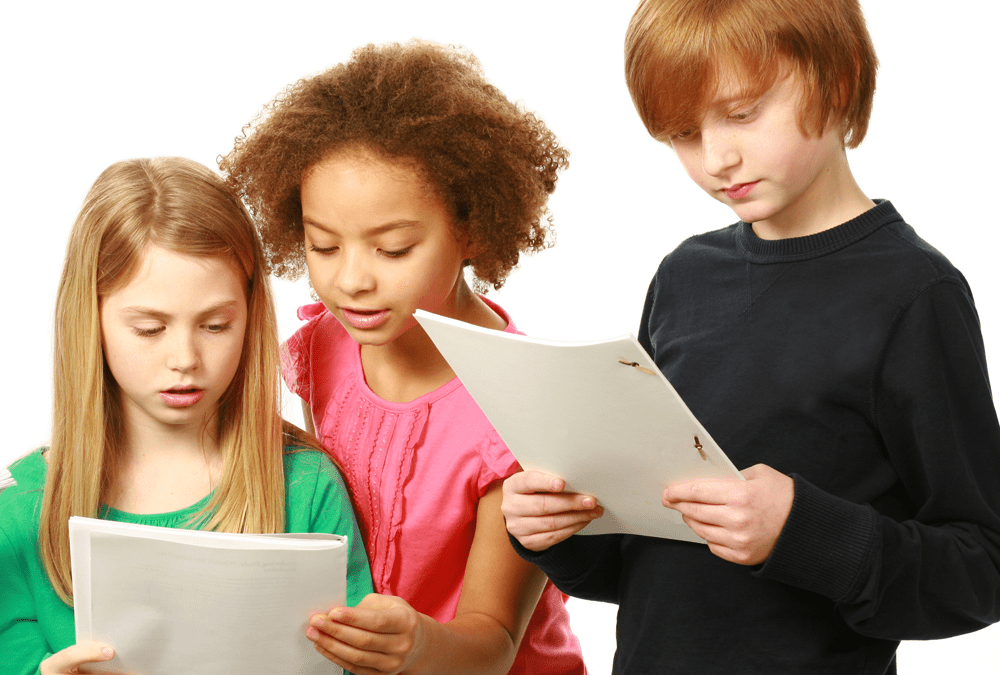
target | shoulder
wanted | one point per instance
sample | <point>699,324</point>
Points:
<point>321,326</point>
<point>21,489</point>
<point>314,489</point>
<point>316,347</point>
<point>304,464</point>
<point>914,260</point>
<point>704,247</point>
<point>25,474</point>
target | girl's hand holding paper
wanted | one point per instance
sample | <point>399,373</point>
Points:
<point>69,660</point>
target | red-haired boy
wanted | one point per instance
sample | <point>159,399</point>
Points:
<point>824,345</point>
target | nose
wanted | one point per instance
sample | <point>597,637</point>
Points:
<point>354,274</point>
<point>719,153</point>
<point>184,354</point>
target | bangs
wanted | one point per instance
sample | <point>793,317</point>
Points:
<point>677,50</point>
<point>674,74</point>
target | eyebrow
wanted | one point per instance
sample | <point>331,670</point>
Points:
<point>163,316</point>
<point>372,231</point>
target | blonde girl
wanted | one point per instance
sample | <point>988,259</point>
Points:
<point>166,401</point>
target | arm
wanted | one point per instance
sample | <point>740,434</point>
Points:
<point>924,561</point>
<point>541,520</point>
<point>385,635</point>
<point>23,644</point>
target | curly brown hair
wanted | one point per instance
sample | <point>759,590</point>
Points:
<point>492,163</point>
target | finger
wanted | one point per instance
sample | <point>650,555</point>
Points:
<point>703,491</point>
<point>355,650</point>
<point>347,664</point>
<point>756,471</point>
<point>526,482</point>
<point>69,659</point>
<point>542,541</point>
<point>710,514</point>
<point>554,522</point>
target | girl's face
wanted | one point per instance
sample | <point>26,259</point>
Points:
<point>378,245</point>
<point>173,338</point>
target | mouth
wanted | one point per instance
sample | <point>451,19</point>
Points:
<point>365,319</point>
<point>181,397</point>
<point>740,190</point>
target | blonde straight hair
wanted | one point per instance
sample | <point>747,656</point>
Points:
<point>184,207</point>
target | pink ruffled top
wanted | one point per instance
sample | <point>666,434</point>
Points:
<point>416,471</point>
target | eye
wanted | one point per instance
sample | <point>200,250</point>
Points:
<point>396,254</point>
<point>218,327</point>
<point>322,251</point>
<point>744,115</point>
<point>147,332</point>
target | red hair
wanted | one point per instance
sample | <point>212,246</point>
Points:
<point>676,49</point>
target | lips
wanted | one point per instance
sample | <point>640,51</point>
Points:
<point>740,190</point>
<point>365,319</point>
<point>182,397</point>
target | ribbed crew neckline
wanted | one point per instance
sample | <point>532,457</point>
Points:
<point>763,251</point>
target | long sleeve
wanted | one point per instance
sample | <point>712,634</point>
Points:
<point>22,642</point>
<point>584,566</point>
<point>925,562</point>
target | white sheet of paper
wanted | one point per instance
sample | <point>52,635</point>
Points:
<point>186,601</point>
<point>573,410</point>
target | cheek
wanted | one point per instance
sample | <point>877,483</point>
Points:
<point>690,159</point>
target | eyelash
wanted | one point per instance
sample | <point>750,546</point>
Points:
<point>153,332</point>
<point>744,115</point>
<point>388,254</point>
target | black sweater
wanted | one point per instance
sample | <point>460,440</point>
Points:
<point>853,361</point>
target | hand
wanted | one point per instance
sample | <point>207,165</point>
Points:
<point>539,514</point>
<point>740,520</point>
<point>383,635</point>
<point>69,660</point>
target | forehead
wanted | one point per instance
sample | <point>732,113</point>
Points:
<point>359,187</point>
<point>721,84</point>
<point>167,279</point>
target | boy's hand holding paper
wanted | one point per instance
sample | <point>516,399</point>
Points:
<point>740,521</point>
<point>540,514</point>
<point>599,415</point>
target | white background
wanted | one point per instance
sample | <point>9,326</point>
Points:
<point>87,84</point>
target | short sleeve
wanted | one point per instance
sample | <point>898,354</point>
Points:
<point>498,461</point>
<point>295,352</point>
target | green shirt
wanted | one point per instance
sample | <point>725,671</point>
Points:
<point>35,623</point>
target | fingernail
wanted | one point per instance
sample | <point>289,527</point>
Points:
<point>588,503</point>
<point>316,621</point>
<point>108,651</point>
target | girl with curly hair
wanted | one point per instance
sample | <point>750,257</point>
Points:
<point>386,176</point>
<point>166,406</point>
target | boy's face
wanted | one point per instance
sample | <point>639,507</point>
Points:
<point>754,158</point>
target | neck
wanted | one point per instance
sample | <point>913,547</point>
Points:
<point>411,366</point>
<point>832,199</point>
<point>165,468</point>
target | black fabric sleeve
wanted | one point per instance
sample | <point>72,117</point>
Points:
<point>585,566</point>
<point>937,573</point>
